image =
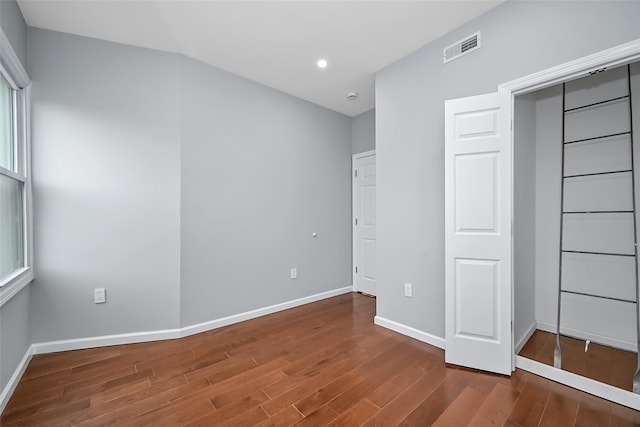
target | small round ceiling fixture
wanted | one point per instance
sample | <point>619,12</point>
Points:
<point>352,96</point>
<point>322,63</point>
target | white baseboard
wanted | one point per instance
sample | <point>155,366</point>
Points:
<point>241,317</point>
<point>137,337</point>
<point>410,332</point>
<point>15,378</point>
<point>103,341</point>
<point>522,341</point>
<point>579,382</point>
<point>583,335</point>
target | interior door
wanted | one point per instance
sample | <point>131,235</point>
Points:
<point>478,232</point>
<point>364,222</point>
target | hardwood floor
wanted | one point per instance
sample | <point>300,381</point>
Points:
<point>324,363</point>
<point>601,363</point>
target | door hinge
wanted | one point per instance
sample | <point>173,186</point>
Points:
<point>356,221</point>
<point>356,269</point>
<point>356,173</point>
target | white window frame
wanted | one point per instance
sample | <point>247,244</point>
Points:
<point>15,74</point>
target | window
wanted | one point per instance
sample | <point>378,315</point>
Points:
<point>11,187</point>
<point>15,180</point>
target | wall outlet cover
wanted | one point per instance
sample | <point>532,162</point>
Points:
<point>294,273</point>
<point>408,290</point>
<point>99,295</point>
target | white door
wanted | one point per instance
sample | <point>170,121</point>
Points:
<point>364,222</point>
<point>478,232</point>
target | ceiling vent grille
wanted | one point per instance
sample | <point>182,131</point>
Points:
<point>461,47</point>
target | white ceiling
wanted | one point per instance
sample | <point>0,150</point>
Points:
<point>276,43</point>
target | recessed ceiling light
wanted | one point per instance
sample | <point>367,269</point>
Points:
<point>322,63</point>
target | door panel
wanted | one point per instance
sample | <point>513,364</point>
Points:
<point>369,205</point>
<point>364,224</point>
<point>478,232</point>
<point>369,259</point>
<point>476,283</point>
<point>476,193</point>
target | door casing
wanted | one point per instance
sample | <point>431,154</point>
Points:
<point>354,205</point>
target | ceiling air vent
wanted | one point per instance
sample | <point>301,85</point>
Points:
<point>461,47</point>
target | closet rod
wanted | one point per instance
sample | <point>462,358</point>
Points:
<point>597,103</point>
<point>597,173</point>
<point>597,137</point>
<point>597,296</point>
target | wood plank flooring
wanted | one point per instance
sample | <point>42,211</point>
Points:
<point>324,363</point>
<point>601,363</point>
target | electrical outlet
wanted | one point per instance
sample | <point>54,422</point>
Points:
<point>99,295</point>
<point>408,290</point>
<point>294,273</point>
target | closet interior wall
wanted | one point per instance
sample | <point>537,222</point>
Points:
<point>538,143</point>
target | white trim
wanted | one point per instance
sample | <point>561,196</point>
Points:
<point>618,55</point>
<point>10,62</point>
<point>14,284</point>
<point>14,71</point>
<point>584,335</point>
<point>8,390</point>
<point>410,332</point>
<point>522,341</point>
<point>241,317</point>
<point>364,154</point>
<point>28,189</point>
<point>12,174</point>
<point>605,391</point>
<point>103,341</point>
<point>167,334</point>
<point>354,237</point>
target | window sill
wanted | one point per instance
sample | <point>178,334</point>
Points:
<point>14,284</point>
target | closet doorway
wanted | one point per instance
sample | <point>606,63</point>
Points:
<point>575,189</point>
<point>536,194</point>
<point>575,215</point>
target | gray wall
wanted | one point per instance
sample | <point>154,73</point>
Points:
<point>187,192</point>
<point>363,132</point>
<point>14,28</point>
<point>261,172</point>
<point>106,182</point>
<point>518,38</point>
<point>15,337</point>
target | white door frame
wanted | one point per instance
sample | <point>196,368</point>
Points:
<point>354,230</point>
<point>619,55</point>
